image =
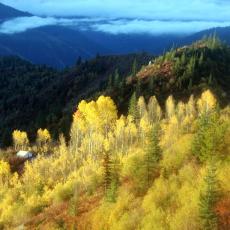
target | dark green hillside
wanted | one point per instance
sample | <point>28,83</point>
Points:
<point>34,96</point>
<point>190,69</point>
<point>50,97</point>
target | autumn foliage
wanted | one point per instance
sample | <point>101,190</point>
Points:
<point>150,169</point>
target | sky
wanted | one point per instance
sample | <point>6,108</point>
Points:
<point>123,16</point>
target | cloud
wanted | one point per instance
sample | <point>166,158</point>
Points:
<point>156,27</point>
<point>22,24</point>
<point>205,10</point>
<point>123,16</point>
<point>112,26</point>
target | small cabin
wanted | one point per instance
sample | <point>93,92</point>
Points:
<point>25,154</point>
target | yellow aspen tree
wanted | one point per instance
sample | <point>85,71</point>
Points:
<point>181,112</point>
<point>64,156</point>
<point>107,113</point>
<point>20,139</point>
<point>170,131</point>
<point>207,102</point>
<point>93,122</point>
<point>186,124</point>
<point>43,136</point>
<point>141,106</point>
<point>119,133</point>
<point>43,140</point>
<point>154,110</point>
<point>77,131</point>
<point>4,173</point>
<point>144,128</point>
<point>131,130</point>
<point>190,115</point>
<point>170,107</point>
<point>97,117</point>
<point>191,107</point>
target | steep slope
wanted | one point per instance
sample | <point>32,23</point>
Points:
<point>7,12</point>
<point>34,96</point>
<point>186,70</point>
<point>50,97</point>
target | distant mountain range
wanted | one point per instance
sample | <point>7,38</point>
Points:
<point>7,12</point>
<point>60,46</point>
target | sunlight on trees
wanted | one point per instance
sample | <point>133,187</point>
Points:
<point>20,140</point>
<point>147,170</point>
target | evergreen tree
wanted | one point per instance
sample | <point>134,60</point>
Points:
<point>201,59</point>
<point>79,61</point>
<point>177,67</point>
<point>107,171</point>
<point>183,59</point>
<point>138,87</point>
<point>133,111</point>
<point>190,84</point>
<point>208,140</point>
<point>111,193</point>
<point>153,153</point>
<point>210,79</point>
<point>110,82</point>
<point>134,68</point>
<point>191,66</point>
<point>208,199</point>
<point>151,85</point>
<point>116,79</point>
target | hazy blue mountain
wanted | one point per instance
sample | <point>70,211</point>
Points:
<point>52,45</point>
<point>131,43</point>
<point>7,12</point>
<point>222,32</point>
<point>59,46</point>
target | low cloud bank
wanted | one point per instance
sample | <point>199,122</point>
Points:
<point>113,26</point>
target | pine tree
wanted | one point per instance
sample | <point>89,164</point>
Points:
<point>191,66</point>
<point>107,171</point>
<point>208,199</point>
<point>210,79</point>
<point>116,79</point>
<point>190,84</point>
<point>134,68</point>
<point>79,61</point>
<point>177,66</point>
<point>133,106</point>
<point>138,87</point>
<point>111,193</point>
<point>153,153</point>
<point>201,59</point>
<point>183,59</point>
<point>151,85</point>
<point>209,137</point>
<point>110,82</point>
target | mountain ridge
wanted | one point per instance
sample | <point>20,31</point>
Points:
<point>7,12</point>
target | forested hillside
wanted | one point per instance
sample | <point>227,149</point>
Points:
<point>146,142</point>
<point>185,70</point>
<point>155,168</point>
<point>33,96</point>
<point>50,96</point>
